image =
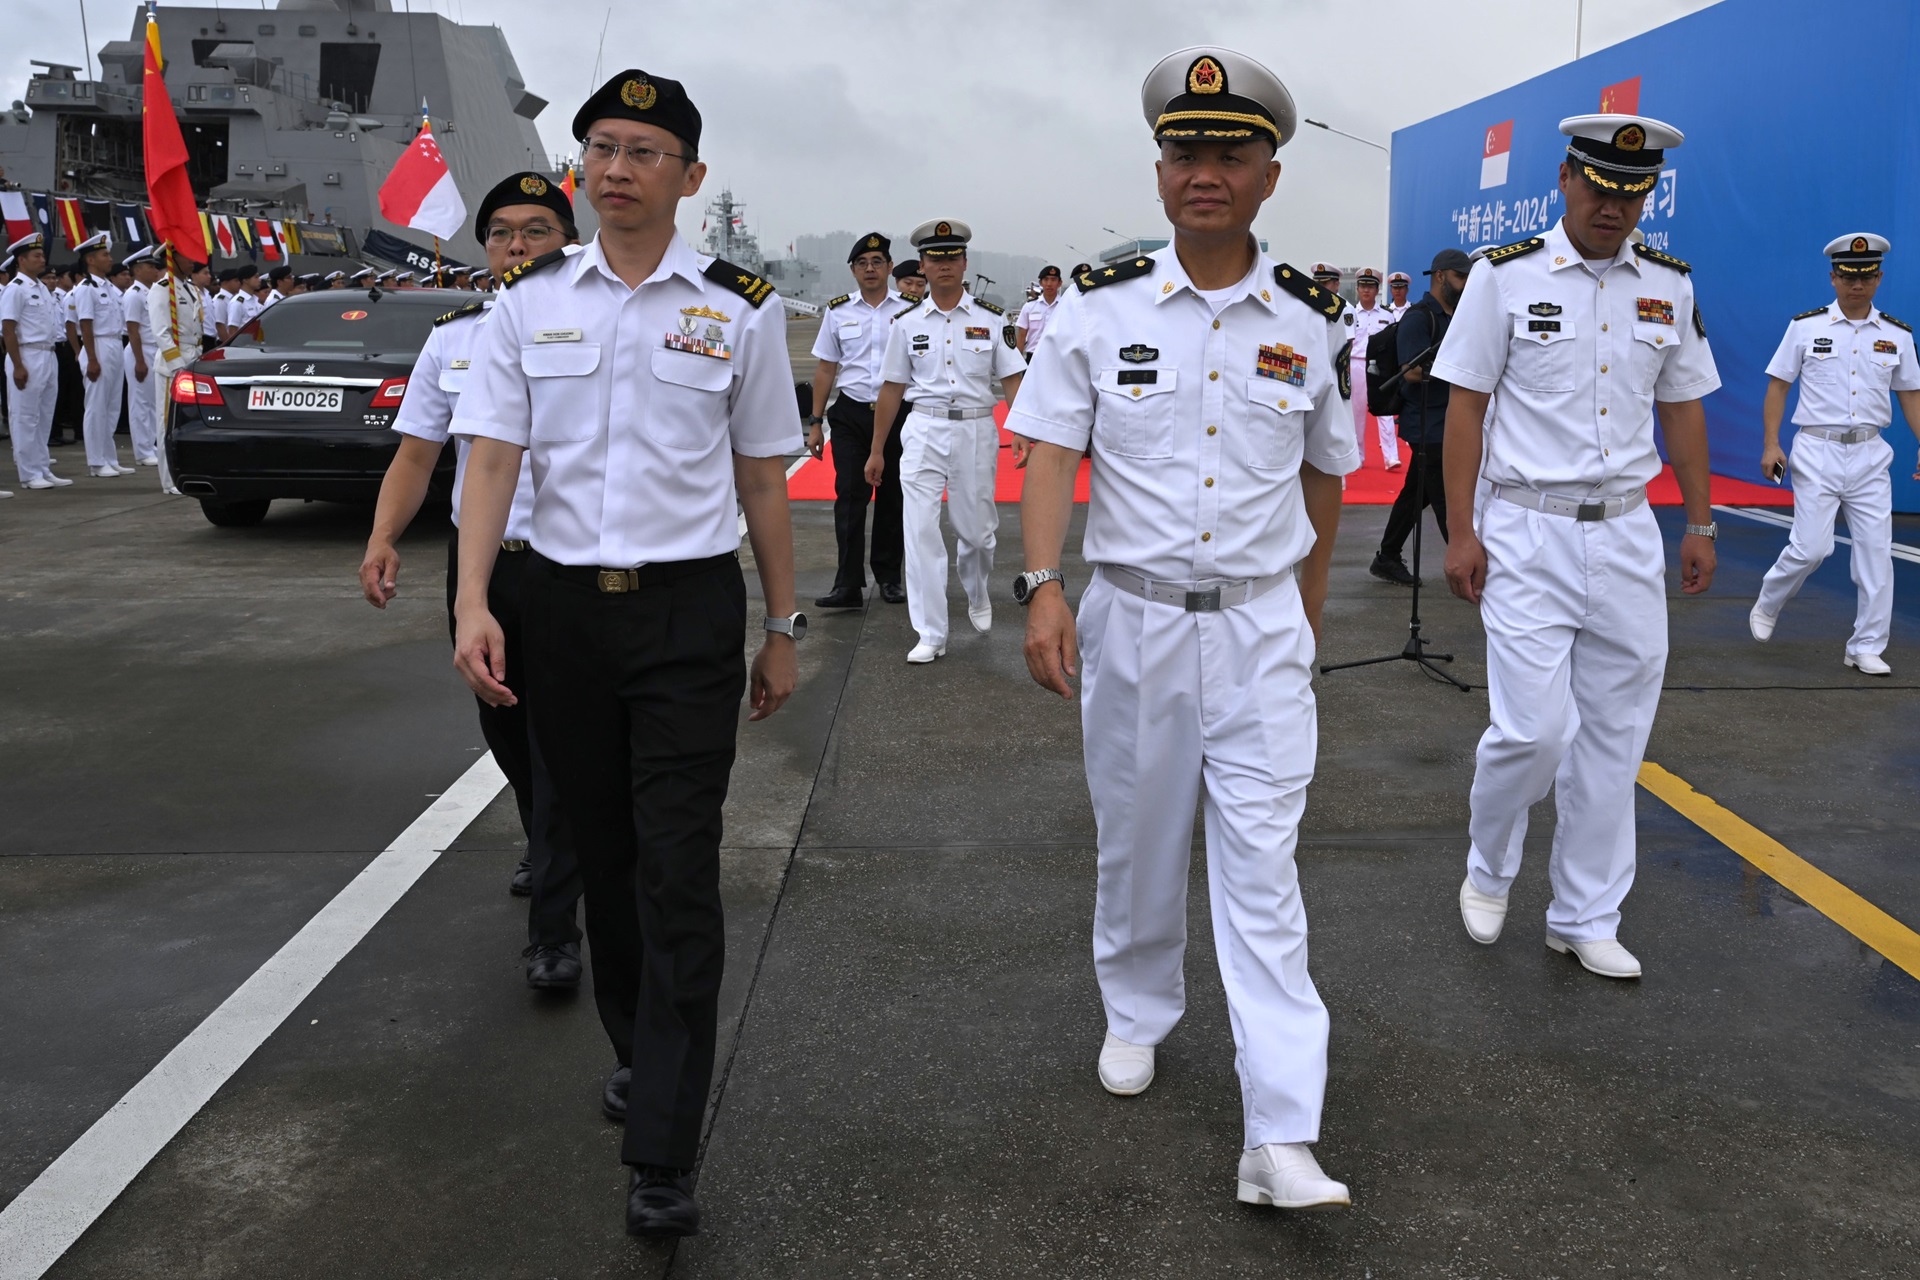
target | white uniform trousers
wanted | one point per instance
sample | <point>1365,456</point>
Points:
<point>1384,427</point>
<point>140,407</point>
<point>958,457</point>
<point>1176,705</point>
<point>30,412</point>
<point>103,402</point>
<point>1576,621</point>
<point>160,375</point>
<point>1831,478</point>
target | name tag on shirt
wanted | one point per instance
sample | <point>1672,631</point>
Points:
<point>1543,326</point>
<point>462,364</point>
<point>1144,377</point>
<point>558,335</point>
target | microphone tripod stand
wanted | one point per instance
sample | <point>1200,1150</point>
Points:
<point>1416,647</point>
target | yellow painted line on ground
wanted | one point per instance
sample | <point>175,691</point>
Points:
<point>1809,883</point>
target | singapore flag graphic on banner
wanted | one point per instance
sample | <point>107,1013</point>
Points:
<point>1493,155</point>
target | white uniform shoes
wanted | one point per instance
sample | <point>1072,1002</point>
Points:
<point>1761,624</point>
<point>925,653</point>
<point>981,617</point>
<point>1482,913</point>
<point>1125,1068</point>
<point>1286,1176</point>
<point>104,473</point>
<point>150,461</point>
<point>1869,664</point>
<point>1605,957</point>
<point>6,493</point>
<point>48,482</point>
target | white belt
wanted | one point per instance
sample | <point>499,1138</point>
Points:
<point>956,415</point>
<point>1208,596</point>
<point>1573,508</point>
<point>1842,435</point>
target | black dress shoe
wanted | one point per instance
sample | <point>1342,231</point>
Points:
<point>838,599</point>
<point>1391,569</point>
<point>893,593</point>
<point>660,1203</point>
<point>613,1098</point>
<point>521,886</point>
<point>555,968</point>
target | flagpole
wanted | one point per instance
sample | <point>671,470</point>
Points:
<point>436,262</point>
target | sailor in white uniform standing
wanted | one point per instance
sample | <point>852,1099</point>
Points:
<point>143,349</point>
<point>102,325</point>
<point>1204,378</point>
<point>1398,283</point>
<point>1847,356</point>
<point>1580,331</point>
<point>31,325</point>
<point>1369,318</point>
<point>176,314</point>
<point>949,348</point>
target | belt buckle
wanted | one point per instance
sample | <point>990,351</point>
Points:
<point>1207,601</point>
<point>956,415</point>
<point>614,581</point>
<point>1590,511</point>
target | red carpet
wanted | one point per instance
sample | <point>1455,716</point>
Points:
<point>1372,485</point>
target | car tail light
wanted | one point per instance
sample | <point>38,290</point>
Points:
<point>192,388</point>
<point>390,393</point>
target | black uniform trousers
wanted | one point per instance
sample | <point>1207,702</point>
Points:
<point>1425,486</point>
<point>556,872</point>
<point>70,394</point>
<point>636,705</point>
<point>851,438</point>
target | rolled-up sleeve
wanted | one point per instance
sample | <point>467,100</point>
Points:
<point>496,402</point>
<point>764,415</point>
<point>1056,396</point>
<point>1474,352</point>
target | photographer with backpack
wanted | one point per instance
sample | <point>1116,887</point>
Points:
<point>1421,406</point>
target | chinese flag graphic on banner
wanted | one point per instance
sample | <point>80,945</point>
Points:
<point>1494,150</point>
<point>1621,99</point>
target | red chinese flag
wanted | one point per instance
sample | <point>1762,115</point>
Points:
<point>174,216</point>
<point>1621,99</point>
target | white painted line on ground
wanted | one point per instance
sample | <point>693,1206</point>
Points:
<point>792,471</point>
<point>60,1204</point>
<point>1901,551</point>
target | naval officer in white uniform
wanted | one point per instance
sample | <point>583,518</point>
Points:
<point>143,350</point>
<point>1580,331</point>
<point>948,349</point>
<point>1847,356</point>
<point>1370,316</point>
<point>1204,378</point>
<point>102,324</point>
<point>32,323</point>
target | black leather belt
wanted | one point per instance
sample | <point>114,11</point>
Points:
<point>618,581</point>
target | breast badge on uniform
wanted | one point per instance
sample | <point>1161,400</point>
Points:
<point>1282,363</point>
<point>1882,347</point>
<point>1139,353</point>
<point>979,333</point>
<point>1654,310</point>
<point>1821,344</point>
<point>1544,309</point>
<point>690,338</point>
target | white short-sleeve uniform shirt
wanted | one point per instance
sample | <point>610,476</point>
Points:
<point>1846,368</point>
<point>1578,352</point>
<point>949,359</point>
<point>853,335</point>
<point>632,402</point>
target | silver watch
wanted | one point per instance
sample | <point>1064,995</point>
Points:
<point>795,626</point>
<point>1027,583</point>
<point>1704,530</point>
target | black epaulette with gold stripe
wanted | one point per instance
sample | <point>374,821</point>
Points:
<point>1817,311</point>
<point>1113,273</point>
<point>906,310</point>
<point>1664,259</point>
<point>512,275</point>
<point>471,309</point>
<point>1898,324</point>
<point>1326,302</point>
<point>739,280</point>
<point>1518,249</point>
<point>984,305</point>
<point>843,298</point>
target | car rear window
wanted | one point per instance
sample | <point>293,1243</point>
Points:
<point>352,325</point>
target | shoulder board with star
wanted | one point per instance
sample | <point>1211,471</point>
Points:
<point>738,280</point>
<point>1664,259</point>
<point>842,299</point>
<point>471,309</point>
<point>1518,249</point>
<point>1817,311</point>
<point>513,275</point>
<point>1898,324</point>
<point>984,305</point>
<point>1325,302</point>
<point>1113,273</point>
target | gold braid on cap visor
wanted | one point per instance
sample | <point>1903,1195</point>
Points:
<point>1159,126</point>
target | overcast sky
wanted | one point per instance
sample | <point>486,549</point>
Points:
<point>1021,117</point>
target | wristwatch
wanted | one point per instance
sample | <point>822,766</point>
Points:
<point>795,626</point>
<point>814,421</point>
<point>1704,530</point>
<point>1027,583</point>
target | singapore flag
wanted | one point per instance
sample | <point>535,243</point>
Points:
<point>1493,155</point>
<point>420,192</point>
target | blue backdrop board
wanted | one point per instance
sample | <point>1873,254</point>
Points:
<point>1801,125</point>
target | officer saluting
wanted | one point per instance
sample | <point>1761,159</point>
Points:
<point>1204,378</point>
<point>651,386</point>
<point>1580,331</point>
<point>1846,356</point>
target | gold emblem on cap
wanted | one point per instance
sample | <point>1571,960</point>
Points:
<point>533,186</point>
<point>873,242</point>
<point>943,228</point>
<point>639,94</point>
<point>1630,137</point>
<point>1205,76</point>
<point>1859,244</point>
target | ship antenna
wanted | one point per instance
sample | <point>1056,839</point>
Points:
<point>601,47</point>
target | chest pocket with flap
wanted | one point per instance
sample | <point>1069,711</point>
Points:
<point>566,398</point>
<point>1135,418</point>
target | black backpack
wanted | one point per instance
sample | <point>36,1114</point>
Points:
<point>1383,362</point>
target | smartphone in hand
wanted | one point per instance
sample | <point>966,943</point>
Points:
<point>1779,472</point>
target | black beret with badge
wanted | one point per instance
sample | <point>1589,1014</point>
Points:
<point>635,95</point>
<point>1619,155</point>
<point>1208,94</point>
<point>872,242</point>
<point>526,187</point>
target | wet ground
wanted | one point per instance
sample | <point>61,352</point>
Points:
<point>207,734</point>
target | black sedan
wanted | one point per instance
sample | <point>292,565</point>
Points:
<point>300,403</point>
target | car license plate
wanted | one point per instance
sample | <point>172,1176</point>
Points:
<point>295,399</point>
